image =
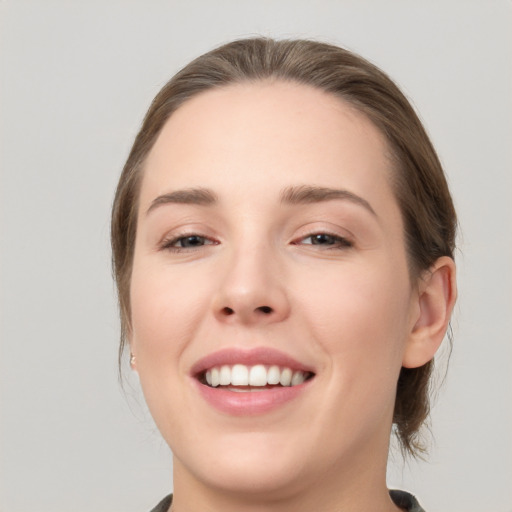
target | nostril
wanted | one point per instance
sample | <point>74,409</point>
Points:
<point>227,311</point>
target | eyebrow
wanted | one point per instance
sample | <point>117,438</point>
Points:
<point>303,194</point>
<point>199,196</point>
<point>306,194</point>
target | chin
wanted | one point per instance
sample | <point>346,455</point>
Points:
<point>261,479</point>
<point>251,464</point>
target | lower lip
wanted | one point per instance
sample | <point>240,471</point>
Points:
<point>250,402</point>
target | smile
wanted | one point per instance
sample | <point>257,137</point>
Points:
<point>243,378</point>
<point>247,382</point>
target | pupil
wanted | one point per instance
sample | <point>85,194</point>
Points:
<point>322,239</point>
<point>191,241</point>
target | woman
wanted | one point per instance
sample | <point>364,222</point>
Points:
<point>283,241</point>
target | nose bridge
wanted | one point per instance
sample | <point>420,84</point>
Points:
<point>252,289</point>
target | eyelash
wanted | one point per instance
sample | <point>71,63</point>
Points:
<point>336,241</point>
<point>333,242</point>
<point>170,244</point>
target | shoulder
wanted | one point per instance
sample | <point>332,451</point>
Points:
<point>164,505</point>
<point>405,500</point>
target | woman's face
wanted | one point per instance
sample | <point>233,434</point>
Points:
<point>270,247</point>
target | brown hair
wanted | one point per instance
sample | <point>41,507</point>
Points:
<point>419,181</point>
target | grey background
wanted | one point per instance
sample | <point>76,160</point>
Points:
<point>76,78</point>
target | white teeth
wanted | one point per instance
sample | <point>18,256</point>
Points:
<point>254,376</point>
<point>286,377</point>
<point>258,376</point>
<point>215,377</point>
<point>298,378</point>
<point>225,375</point>
<point>273,375</point>
<point>240,375</point>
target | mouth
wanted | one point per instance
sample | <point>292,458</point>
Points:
<point>250,381</point>
<point>242,378</point>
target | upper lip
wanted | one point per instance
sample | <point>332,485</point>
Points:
<point>262,355</point>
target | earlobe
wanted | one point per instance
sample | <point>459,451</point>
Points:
<point>133,359</point>
<point>436,298</point>
<point>129,341</point>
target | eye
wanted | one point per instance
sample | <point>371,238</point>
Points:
<point>326,240</point>
<point>184,242</point>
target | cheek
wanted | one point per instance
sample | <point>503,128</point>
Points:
<point>166,307</point>
<point>360,316</point>
<point>166,312</point>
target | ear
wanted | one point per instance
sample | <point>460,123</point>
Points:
<point>133,362</point>
<point>437,292</point>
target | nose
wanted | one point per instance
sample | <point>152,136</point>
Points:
<point>252,289</point>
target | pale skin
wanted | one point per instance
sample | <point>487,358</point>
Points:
<point>267,219</point>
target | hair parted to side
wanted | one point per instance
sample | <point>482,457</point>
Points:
<point>419,182</point>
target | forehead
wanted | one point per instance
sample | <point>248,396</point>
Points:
<point>266,136</point>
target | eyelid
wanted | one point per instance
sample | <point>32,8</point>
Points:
<point>325,228</point>
<point>169,241</point>
<point>328,234</point>
<point>340,241</point>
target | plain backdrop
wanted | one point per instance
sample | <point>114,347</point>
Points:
<point>76,79</point>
